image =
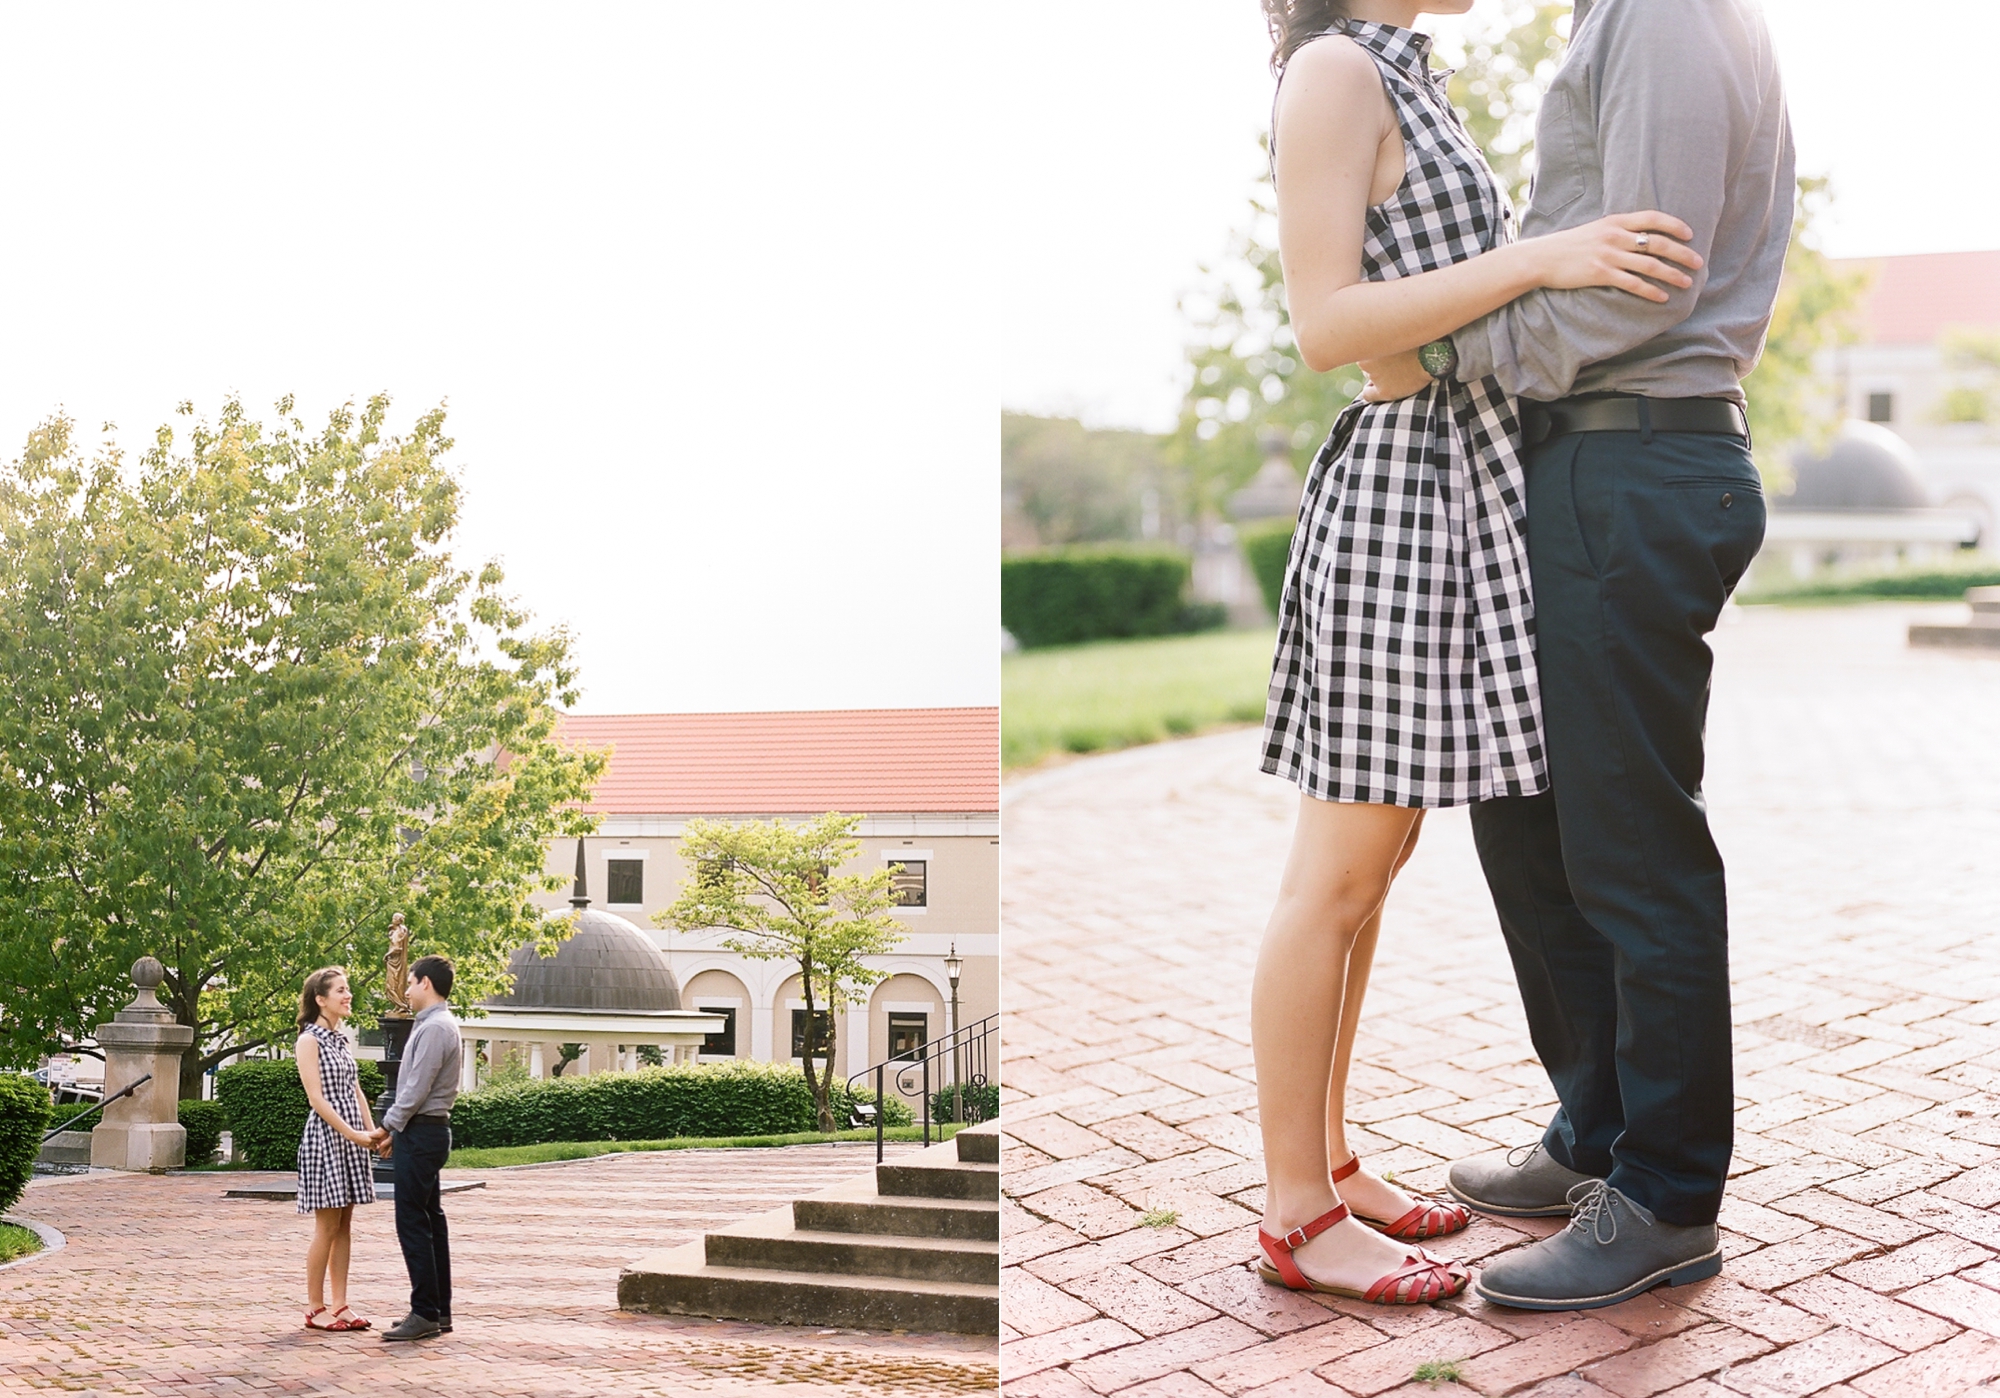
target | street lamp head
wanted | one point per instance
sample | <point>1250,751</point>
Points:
<point>953,965</point>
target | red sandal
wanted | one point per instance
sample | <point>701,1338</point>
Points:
<point>1421,1280</point>
<point>1431,1218</point>
<point>353,1321</point>
<point>318,1311</point>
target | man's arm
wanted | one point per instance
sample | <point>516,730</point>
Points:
<point>423,1061</point>
<point>1667,97</point>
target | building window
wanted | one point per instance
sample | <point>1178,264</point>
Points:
<point>908,1034</point>
<point>723,1041</point>
<point>625,881</point>
<point>907,882</point>
<point>822,1031</point>
<point>1881,407</point>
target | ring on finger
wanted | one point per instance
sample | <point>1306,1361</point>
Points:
<point>1645,241</point>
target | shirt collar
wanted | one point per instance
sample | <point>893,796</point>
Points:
<point>1405,48</point>
<point>439,1008</point>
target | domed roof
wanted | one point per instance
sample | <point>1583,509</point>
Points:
<point>607,964</point>
<point>1868,467</point>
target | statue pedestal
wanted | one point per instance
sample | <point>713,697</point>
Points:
<point>142,1131</point>
<point>395,1036</point>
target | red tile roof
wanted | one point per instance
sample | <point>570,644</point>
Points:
<point>1914,299</point>
<point>860,761</point>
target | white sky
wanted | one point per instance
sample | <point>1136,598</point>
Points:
<point>708,286</point>
<point>1129,149</point>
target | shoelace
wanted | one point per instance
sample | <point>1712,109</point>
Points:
<point>1521,1155</point>
<point>1592,1201</point>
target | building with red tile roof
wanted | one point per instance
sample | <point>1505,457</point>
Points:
<point>926,784</point>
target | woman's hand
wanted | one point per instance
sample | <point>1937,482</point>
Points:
<point>1394,376</point>
<point>1632,252</point>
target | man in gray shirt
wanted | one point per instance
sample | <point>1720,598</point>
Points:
<point>417,1131</point>
<point>1644,509</point>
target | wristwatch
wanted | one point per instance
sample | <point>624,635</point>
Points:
<point>1439,358</point>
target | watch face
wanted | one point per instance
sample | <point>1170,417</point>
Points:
<point>1436,357</point>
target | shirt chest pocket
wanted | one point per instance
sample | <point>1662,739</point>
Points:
<point>1559,154</point>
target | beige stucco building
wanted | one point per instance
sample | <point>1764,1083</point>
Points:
<point>926,783</point>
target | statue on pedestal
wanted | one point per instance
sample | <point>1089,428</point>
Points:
<point>397,964</point>
<point>396,1026</point>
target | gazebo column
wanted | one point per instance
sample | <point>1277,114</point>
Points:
<point>537,1067</point>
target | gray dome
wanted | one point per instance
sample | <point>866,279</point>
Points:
<point>1868,467</point>
<point>607,964</point>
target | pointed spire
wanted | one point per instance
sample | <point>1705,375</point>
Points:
<point>580,898</point>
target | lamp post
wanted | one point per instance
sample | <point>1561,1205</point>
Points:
<point>952,966</point>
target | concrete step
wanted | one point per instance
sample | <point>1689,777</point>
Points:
<point>66,1148</point>
<point>682,1281</point>
<point>1984,600</point>
<point>939,1173</point>
<point>1983,634</point>
<point>979,1144</point>
<point>774,1241</point>
<point>857,1206</point>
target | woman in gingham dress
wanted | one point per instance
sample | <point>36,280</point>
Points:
<point>334,1159</point>
<point>1405,670</point>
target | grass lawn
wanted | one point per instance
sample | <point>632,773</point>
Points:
<point>1118,694</point>
<point>471,1159</point>
<point>16,1241</point>
<point>1947,584</point>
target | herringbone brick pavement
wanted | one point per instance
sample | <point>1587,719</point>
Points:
<point>1855,789</point>
<point>165,1287</point>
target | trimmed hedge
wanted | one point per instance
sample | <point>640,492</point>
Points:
<point>1065,596</point>
<point>25,1108</point>
<point>1267,548</point>
<point>742,1098</point>
<point>982,1103</point>
<point>203,1122</point>
<point>265,1105</point>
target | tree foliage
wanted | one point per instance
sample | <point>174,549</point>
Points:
<point>776,887</point>
<point>1814,312</point>
<point>249,706</point>
<point>1975,356</point>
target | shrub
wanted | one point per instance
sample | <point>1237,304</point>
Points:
<point>982,1103</point>
<point>1086,594</point>
<point>742,1098</point>
<point>1267,548</point>
<point>265,1104</point>
<point>24,1114</point>
<point>203,1122</point>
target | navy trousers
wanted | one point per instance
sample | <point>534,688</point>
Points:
<point>1609,887</point>
<point>419,1154</point>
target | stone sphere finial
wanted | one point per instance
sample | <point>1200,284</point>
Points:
<point>147,973</point>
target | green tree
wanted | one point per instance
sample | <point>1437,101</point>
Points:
<point>1063,483</point>
<point>1815,311</point>
<point>248,708</point>
<point>1975,353</point>
<point>774,885</point>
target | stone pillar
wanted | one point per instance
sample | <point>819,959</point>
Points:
<point>142,1131</point>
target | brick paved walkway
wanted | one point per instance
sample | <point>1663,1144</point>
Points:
<point>167,1288</point>
<point>1855,788</point>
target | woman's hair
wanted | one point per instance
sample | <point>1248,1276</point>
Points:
<point>1294,22</point>
<point>319,983</point>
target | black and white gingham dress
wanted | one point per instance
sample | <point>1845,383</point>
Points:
<point>333,1171</point>
<point>1405,667</point>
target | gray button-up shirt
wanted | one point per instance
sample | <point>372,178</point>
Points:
<point>1673,105</point>
<point>427,1083</point>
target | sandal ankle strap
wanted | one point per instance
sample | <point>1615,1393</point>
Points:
<point>1353,1164</point>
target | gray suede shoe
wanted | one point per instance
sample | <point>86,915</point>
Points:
<point>1523,1183</point>
<point>1612,1250</point>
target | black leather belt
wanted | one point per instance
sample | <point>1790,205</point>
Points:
<point>434,1118</point>
<point>1626,413</point>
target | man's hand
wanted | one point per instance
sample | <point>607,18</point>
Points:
<point>1397,376</point>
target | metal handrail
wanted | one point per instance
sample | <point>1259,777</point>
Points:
<point>966,1047</point>
<point>124,1091</point>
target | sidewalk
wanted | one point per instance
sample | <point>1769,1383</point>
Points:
<point>1855,790</point>
<point>165,1288</point>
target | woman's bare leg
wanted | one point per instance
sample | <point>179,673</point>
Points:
<point>1364,1191</point>
<point>1342,859</point>
<point>336,1268</point>
<point>326,1223</point>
